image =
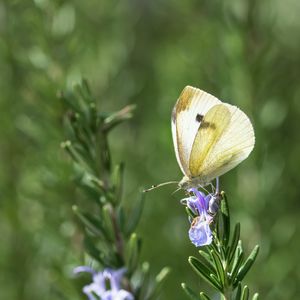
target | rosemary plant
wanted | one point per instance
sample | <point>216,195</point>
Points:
<point>110,240</point>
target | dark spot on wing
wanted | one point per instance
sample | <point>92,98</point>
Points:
<point>205,125</point>
<point>199,118</point>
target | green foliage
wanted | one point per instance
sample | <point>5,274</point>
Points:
<point>109,230</point>
<point>145,52</point>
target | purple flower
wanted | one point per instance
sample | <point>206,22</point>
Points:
<point>200,233</point>
<point>101,280</point>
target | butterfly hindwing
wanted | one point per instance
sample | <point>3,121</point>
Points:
<point>212,127</point>
<point>224,139</point>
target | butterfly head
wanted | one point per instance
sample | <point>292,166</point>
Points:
<point>187,183</point>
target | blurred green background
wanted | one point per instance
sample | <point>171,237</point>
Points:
<point>145,52</point>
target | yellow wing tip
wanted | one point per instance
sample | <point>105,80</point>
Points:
<point>190,89</point>
<point>186,96</point>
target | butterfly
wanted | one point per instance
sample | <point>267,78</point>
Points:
<point>210,137</point>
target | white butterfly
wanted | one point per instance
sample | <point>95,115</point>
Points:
<point>210,137</point>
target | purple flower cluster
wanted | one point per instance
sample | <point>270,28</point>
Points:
<point>106,285</point>
<point>201,205</point>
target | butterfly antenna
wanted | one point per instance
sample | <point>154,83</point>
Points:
<point>159,185</point>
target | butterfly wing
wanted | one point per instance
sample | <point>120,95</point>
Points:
<point>187,115</point>
<point>224,139</point>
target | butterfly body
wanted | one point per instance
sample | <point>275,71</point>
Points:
<point>210,137</point>
<point>188,183</point>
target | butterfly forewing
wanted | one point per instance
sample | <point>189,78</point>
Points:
<point>189,111</point>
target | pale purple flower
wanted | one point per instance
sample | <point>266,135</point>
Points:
<point>99,285</point>
<point>200,232</point>
<point>201,205</point>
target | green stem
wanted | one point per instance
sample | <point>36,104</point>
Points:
<point>227,294</point>
<point>118,235</point>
